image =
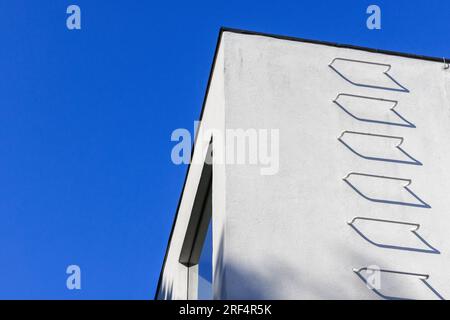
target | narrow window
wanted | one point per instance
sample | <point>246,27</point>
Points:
<point>204,288</point>
<point>196,253</point>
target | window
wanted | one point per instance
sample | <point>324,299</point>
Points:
<point>204,287</point>
<point>197,250</point>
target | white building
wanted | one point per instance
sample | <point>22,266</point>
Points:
<point>354,200</point>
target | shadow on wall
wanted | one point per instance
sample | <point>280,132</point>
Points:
<point>268,284</point>
<point>373,70</point>
<point>429,248</point>
<point>278,279</point>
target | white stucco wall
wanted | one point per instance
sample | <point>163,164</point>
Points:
<point>286,236</point>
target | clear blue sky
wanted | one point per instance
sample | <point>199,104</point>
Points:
<point>86,118</point>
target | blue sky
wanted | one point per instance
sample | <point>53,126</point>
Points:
<point>86,117</point>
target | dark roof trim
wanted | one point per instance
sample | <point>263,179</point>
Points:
<point>338,45</point>
<point>332,44</point>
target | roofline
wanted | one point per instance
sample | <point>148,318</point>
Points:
<point>338,45</point>
<point>275,36</point>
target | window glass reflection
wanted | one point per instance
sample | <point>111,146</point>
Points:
<point>205,291</point>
